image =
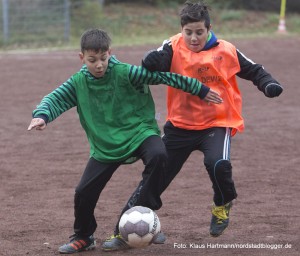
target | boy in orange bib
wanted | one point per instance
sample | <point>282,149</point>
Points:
<point>195,125</point>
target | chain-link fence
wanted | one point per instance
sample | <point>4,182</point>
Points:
<point>41,21</point>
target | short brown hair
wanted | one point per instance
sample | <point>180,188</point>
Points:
<point>96,40</point>
<point>195,12</point>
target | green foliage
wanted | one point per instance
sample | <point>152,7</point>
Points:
<point>292,6</point>
<point>244,23</point>
<point>130,24</point>
<point>85,15</point>
<point>293,23</point>
<point>230,15</point>
<point>143,2</point>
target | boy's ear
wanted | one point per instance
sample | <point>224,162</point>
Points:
<point>81,56</point>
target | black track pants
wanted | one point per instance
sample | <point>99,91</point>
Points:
<point>96,175</point>
<point>154,156</point>
<point>215,145</point>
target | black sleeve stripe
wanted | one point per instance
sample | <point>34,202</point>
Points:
<point>53,116</point>
<point>184,85</point>
<point>60,99</point>
<point>196,89</point>
<point>132,74</point>
<point>55,104</point>
<point>150,77</point>
<point>155,77</point>
<point>44,109</point>
<point>141,77</point>
<point>68,95</point>
<point>70,87</point>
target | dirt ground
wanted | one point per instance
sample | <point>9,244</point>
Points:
<point>39,170</point>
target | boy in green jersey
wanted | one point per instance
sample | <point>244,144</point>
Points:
<point>117,112</point>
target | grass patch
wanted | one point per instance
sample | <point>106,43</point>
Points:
<point>137,25</point>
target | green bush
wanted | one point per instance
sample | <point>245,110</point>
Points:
<point>86,15</point>
<point>230,15</point>
<point>259,5</point>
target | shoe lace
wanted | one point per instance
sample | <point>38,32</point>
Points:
<point>72,237</point>
<point>221,213</point>
<point>114,236</point>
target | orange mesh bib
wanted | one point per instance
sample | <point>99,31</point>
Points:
<point>215,68</point>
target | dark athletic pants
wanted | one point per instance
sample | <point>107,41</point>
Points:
<point>153,153</point>
<point>215,145</point>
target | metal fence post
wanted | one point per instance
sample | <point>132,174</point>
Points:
<point>5,20</point>
<point>281,25</point>
<point>67,20</point>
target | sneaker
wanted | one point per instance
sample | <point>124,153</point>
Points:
<point>78,244</point>
<point>160,238</point>
<point>220,219</point>
<point>115,243</point>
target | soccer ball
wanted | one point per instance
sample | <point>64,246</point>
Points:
<point>138,226</point>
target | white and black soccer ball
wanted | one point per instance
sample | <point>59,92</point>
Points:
<point>138,226</point>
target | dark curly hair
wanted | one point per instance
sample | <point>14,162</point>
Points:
<point>195,12</point>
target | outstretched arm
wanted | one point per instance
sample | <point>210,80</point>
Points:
<point>53,105</point>
<point>139,77</point>
<point>259,76</point>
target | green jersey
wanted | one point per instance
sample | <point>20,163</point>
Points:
<point>116,111</point>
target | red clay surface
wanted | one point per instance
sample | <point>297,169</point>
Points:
<point>39,170</point>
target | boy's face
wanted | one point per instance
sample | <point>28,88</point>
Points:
<point>96,62</point>
<point>195,35</point>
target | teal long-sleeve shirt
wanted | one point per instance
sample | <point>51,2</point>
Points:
<point>116,111</point>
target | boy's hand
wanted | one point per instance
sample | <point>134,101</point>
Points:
<point>37,123</point>
<point>151,60</point>
<point>213,97</point>
<point>273,90</point>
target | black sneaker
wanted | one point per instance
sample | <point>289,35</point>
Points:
<point>159,238</point>
<point>78,244</point>
<point>117,243</point>
<point>219,219</point>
